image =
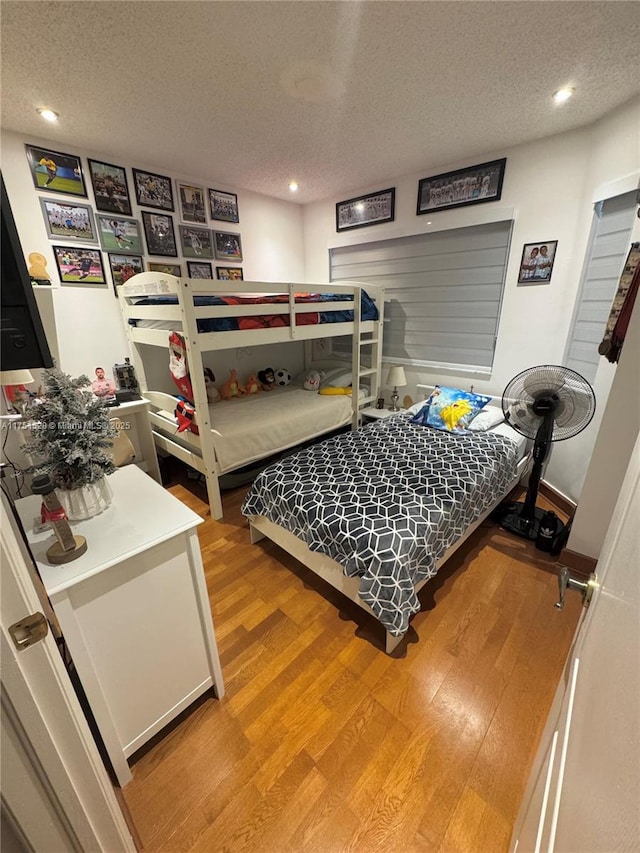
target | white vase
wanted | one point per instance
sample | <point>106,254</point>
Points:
<point>86,501</point>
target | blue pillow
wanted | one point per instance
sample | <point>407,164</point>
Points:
<point>421,416</point>
<point>452,410</point>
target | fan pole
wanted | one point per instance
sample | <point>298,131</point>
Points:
<point>540,452</point>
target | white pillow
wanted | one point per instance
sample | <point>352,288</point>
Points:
<point>488,417</point>
<point>415,408</point>
<point>339,378</point>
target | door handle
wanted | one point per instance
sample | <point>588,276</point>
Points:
<point>29,630</point>
<point>565,581</point>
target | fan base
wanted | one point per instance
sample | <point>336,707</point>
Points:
<point>513,522</point>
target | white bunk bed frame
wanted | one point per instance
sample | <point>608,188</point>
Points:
<point>200,454</point>
<point>332,572</point>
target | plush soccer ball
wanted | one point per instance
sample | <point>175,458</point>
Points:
<point>283,377</point>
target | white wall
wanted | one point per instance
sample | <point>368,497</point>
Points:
<point>87,319</point>
<point>548,190</point>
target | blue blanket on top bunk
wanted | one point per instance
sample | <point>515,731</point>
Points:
<point>368,310</point>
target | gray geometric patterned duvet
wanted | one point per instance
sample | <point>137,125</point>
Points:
<point>386,501</point>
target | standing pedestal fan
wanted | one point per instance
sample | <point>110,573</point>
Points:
<point>546,403</point>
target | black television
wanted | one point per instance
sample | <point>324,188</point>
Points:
<point>23,343</point>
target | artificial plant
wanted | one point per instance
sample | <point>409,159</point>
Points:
<point>71,435</point>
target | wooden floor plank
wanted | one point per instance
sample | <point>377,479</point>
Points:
<point>323,742</point>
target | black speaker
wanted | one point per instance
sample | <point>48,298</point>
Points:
<point>22,340</point>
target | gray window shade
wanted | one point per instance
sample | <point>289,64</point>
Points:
<point>606,255</point>
<point>444,291</point>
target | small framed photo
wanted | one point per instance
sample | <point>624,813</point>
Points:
<point>153,190</point>
<point>192,205</point>
<point>199,269</point>
<point>227,246</point>
<point>110,188</point>
<point>370,209</point>
<point>196,242</point>
<point>167,269</point>
<point>120,235</point>
<point>68,220</point>
<point>471,185</point>
<point>537,262</point>
<point>79,266</point>
<point>229,273</point>
<point>123,267</point>
<point>55,171</point>
<point>223,206</point>
<point>159,233</point>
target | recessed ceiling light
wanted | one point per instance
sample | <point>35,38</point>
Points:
<point>47,114</point>
<point>429,222</point>
<point>562,95</point>
<point>293,186</point>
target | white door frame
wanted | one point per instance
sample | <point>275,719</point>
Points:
<point>52,766</point>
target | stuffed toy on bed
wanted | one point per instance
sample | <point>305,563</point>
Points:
<point>267,378</point>
<point>312,381</point>
<point>252,386</point>
<point>232,388</point>
<point>213,395</point>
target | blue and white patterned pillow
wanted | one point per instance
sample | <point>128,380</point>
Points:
<point>450,409</point>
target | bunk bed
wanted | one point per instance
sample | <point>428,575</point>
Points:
<point>212,317</point>
<point>377,512</point>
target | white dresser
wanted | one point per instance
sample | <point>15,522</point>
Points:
<point>134,611</point>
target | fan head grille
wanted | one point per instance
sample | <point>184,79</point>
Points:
<point>549,387</point>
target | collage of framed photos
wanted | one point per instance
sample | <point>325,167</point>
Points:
<point>81,234</point>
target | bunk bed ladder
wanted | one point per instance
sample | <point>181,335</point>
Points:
<point>367,357</point>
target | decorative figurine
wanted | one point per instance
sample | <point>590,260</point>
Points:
<point>68,547</point>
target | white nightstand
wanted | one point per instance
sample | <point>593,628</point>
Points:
<point>373,414</point>
<point>134,611</point>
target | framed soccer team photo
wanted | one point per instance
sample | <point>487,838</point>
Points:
<point>472,185</point>
<point>110,187</point>
<point>79,266</point>
<point>229,273</point>
<point>159,233</point>
<point>199,269</point>
<point>55,171</point>
<point>196,242</point>
<point>152,190</point>
<point>120,235</point>
<point>192,205</point>
<point>227,246</point>
<point>370,209</point>
<point>167,269</point>
<point>223,206</point>
<point>123,267</point>
<point>68,220</point>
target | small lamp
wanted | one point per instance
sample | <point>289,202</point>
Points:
<point>396,378</point>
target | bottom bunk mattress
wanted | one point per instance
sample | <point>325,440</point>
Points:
<point>386,501</point>
<point>249,428</point>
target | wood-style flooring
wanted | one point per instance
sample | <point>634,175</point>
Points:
<point>323,742</point>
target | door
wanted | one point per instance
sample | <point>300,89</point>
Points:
<point>56,793</point>
<point>584,792</point>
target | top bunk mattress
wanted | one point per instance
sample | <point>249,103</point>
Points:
<point>368,311</point>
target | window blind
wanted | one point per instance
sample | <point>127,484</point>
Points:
<point>444,292</point>
<point>606,254</point>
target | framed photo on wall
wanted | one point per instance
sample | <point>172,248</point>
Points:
<point>471,185</point>
<point>229,273</point>
<point>68,220</point>
<point>196,242</point>
<point>227,246</point>
<point>120,235</point>
<point>123,267</point>
<point>168,269</point>
<point>191,201</point>
<point>159,233</point>
<point>110,188</point>
<point>536,265</point>
<point>223,206</point>
<point>370,209</point>
<point>55,171</point>
<point>153,190</point>
<point>79,266</point>
<point>199,269</point>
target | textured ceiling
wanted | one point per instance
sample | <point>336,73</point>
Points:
<point>336,95</point>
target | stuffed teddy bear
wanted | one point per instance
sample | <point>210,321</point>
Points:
<point>252,386</point>
<point>312,381</point>
<point>266,378</point>
<point>213,395</point>
<point>232,388</point>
